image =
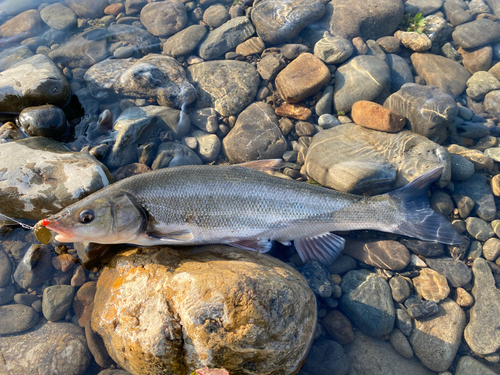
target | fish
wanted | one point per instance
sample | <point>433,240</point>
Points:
<point>239,205</point>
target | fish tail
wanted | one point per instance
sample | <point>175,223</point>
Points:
<point>420,220</point>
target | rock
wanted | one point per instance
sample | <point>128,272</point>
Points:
<point>255,135</point>
<point>205,119</point>
<point>342,265</point>
<point>296,111</point>
<point>215,15</point>
<point>79,277</point>
<point>373,49</point>
<point>225,38</point>
<point>270,65</point>
<point>22,26</point>
<point>369,20</point>
<point>136,38</point>
<point>64,262</point>
<point>463,298</point>
<point>114,9</point>
<point>425,248</point>
<point>34,268</point>
<point>208,146</point>
<point>33,81</point>
<point>390,255</point>
<point>448,75</point>
<point>202,302</point>
<point>425,7</point>
<point>456,12</point>
<point>338,160</point>
<point>493,153</point>
<point>476,33</point>
<point>44,121</point>
<point>7,294</point>
<point>368,355</point>
<point>389,44</point>
<point>10,56</point>
<point>47,348</point>
<point>185,41</point>
<point>164,18</point>
<point>366,299</point>
<point>41,176</point>
<point>58,17</point>
<point>478,189</point>
<point>400,288</point>
<point>435,341</point>
<point>428,109</point>
<point>441,203</point>
<point>457,272</point>
<point>226,86</point>
<point>56,301</point>
<point>374,116</point>
<point>5,268</point>
<point>403,322</point>
<point>480,84</point>
<point>170,154</point>
<point>251,46</point>
<point>400,343</point>
<point>400,71</point>
<point>431,285</point>
<point>338,326</point>
<point>325,358</point>
<point>324,104</point>
<point>333,50</point>
<point>83,303</point>
<point>14,7</point>
<point>461,168</point>
<point>89,9</point>
<point>96,347</point>
<point>492,102</point>
<point>476,157</point>
<point>351,85</point>
<point>415,41</point>
<point>477,59</point>
<point>495,185</point>
<point>16,318</point>
<point>418,309</point>
<point>318,278</point>
<point>153,76</point>
<point>491,249</point>
<point>131,170</point>
<point>469,366</point>
<point>279,21</point>
<point>480,334</point>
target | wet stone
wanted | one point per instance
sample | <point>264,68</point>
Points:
<point>441,203</point>
<point>493,152</point>
<point>333,50</point>
<point>414,41</point>
<point>96,347</point>
<point>136,38</point>
<point>456,12</point>
<point>418,309</point>
<point>170,154</point>
<point>26,299</point>
<point>492,102</point>
<point>164,18</point>
<point>457,272</point>
<point>480,84</point>
<point>318,278</point>
<point>23,25</point>
<point>7,294</point>
<point>403,322</point>
<point>89,9</point>
<point>374,116</point>
<point>296,111</point>
<point>400,288</point>
<point>205,119</point>
<point>479,229</point>
<point>476,33</point>
<point>463,298</point>
<point>389,44</point>
<point>83,303</point>
<point>5,268</point>
<point>209,146</point>
<point>400,343</point>
<point>491,249</point>
<point>431,285</point>
<point>324,104</point>
<point>464,205</point>
<point>478,189</point>
<point>45,121</point>
<point>479,159</point>
<point>470,366</point>
<point>10,56</point>
<point>478,59</point>
<point>390,255</point>
<point>215,15</point>
<point>326,357</point>
<point>270,65</point>
<point>58,16</point>
<point>34,268</point>
<point>461,168</point>
<point>458,251</point>
<point>56,301</point>
<point>343,264</point>
<point>17,318</point>
<point>425,248</point>
<point>185,41</point>
<point>338,326</point>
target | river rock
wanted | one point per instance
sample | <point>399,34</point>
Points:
<point>14,7</point>
<point>154,76</point>
<point>480,334</point>
<point>400,288</point>
<point>34,268</point>
<point>477,188</point>
<point>428,109</point>
<point>90,9</point>
<point>164,18</point>
<point>425,7</point>
<point>215,15</point>
<point>22,26</point>
<point>400,71</point>
<point>227,86</point>
<point>83,303</point>
<point>448,75</point>
<point>225,38</point>
<point>44,121</point>
<point>333,50</point>
<point>351,84</point>
<point>435,340</point>
<point>339,327</point>
<point>58,17</point>
<point>209,304</point>
<point>41,176</point>
<point>208,146</point>
<point>303,77</point>
<point>366,299</point>
<point>326,357</point>
<point>270,65</point>
<point>456,12</point>
<point>374,116</point>
<point>255,135</point>
<point>135,37</point>
<point>56,301</point>
<point>457,272</point>
<point>415,41</point>
<point>338,160</point>
<point>10,56</point>
<point>16,318</point>
<point>47,348</point>
<point>251,46</point>
<point>470,366</point>
<point>184,41</point>
<point>477,59</point>
<point>431,285</point>
<point>492,103</point>
<point>5,269</point>
<point>476,157</point>
<point>476,33</point>
<point>170,154</point>
<point>33,81</point>
<point>279,21</point>
<point>389,255</point>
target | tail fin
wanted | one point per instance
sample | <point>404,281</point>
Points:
<point>420,220</point>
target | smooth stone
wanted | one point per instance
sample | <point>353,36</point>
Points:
<point>351,84</point>
<point>114,9</point>
<point>342,265</point>
<point>425,248</point>
<point>495,185</point>
<point>58,17</point>
<point>369,20</point>
<point>225,38</point>
<point>325,103</point>
<point>185,41</point>
<point>96,347</point>
<point>218,288</point>
<point>367,301</point>
<point>164,18</point>
<point>389,44</point>
<point>44,121</point>
<point>480,334</point>
<point>209,146</point>
<point>47,348</point>
<point>255,135</point>
<point>10,56</point>
<point>90,9</point>
<point>333,50</point>
<point>83,303</point>
<point>464,205</point>
<point>303,77</point>
<point>14,7</point>
<point>441,203</point>
<point>123,52</point>
<point>463,298</point>
<point>439,30</point>
<point>16,318</point>
<point>435,341</point>
<point>493,152</point>
<point>456,12</point>
<point>491,249</point>
<point>296,111</point>
<point>479,229</point>
<point>79,278</point>
<point>415,41</point>
<point>479,159</point>
<point>5,268</point>
<point>480,84</point>
<point>457,272</point>
<point>270,65</point>
<point>205,119</point>
<point>339,327</point>
<point>226,86</point>
<point>422,6</point>
<point>56,301</point>
<point>34,268</point>
<point>277,21</point>
<point>251,46</point>
<point>215,15</point>
<point>318,278</point>
<point>404,322</point>
<point>338,160</point>
<point>292,51</point>
<point>461,168</point>
<point>326,357</point>
<point>478,59</point>
<point>374,116</point>
<point>136,38</point>
<point>7,294</point>
<point>400,71</point>
<point>476,33</point>
<point>400,288</point>
<point>492,103</point>
<point>22,26</point>
<point>375,50</point>
<point>478,189</point>
<point>431,285</point>
<point>400,343</point>
<point>418,309</point>
<point>469,366</point>
<point>170,154</point>
<point>389,255</point>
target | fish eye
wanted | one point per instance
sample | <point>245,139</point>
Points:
<point>86,216</point>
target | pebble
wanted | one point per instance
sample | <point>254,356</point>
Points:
<point>463,298</point>
<point>333,50</point>
<point>171,154</point>
<point>56,301</point>
<point>478,189</point>
<point>251,46</point>
<point>455,271</point>
<point>417,262</point>
<point>441,203</point>
<point>34,268</point>
<point>390,255</point>
<point>403,322</point>
<point>480,84</point>
<point>164,18</point>
<point>270,65</point>
<point>64,262</point>
<point>424,248</point>
<point>185,41</point>
<point>318,278</point>
<point>400,288</point>
<point>461,168</point>
<point>491,103</point>
<point>17,318</point>
<point>464,205</point>
<point>469,366</point>
<point>375,116</point>
<point>389,44</point>
<point>215,15</point>
<point>209,145</point>
<point>96,347</point>
<point>338,326</point>
<point>479,229</point>
<point>480,160</point>
<point>26,299</point>
<point>296,111</point>
<point>7,294</point>
<point>83,303</point>
<point>475,250</point>
<point>431,285</point>
<point>418,309</point>
<point>414,41</point>
<point>477,60</point>
<point>326,357</point>
<point>476,33</point>
<point>400,343</point>
<point>495,185</point>
<point>491,249</point>
<point>5,268</point>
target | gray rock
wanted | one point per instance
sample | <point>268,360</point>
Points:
<point>184,41</point>
<point>318,278</point>
<point>479,229</point>
<point>342,265</point>
<point>208,146</point>
<point>206,119</point>
<point>461,168</point>
<point>403,322</point>
<point>41,176</point>
<point>14,7</point>
<point>326,357</point>
<point>279,21</point>
<point>324,104</point>
<point>16,318</point>
<point>89,9</point>
<point>7,294</point>
<point>400,71</point>
<point>418,309</point>
<point>478,189</point>
<point>480,84</point>
<point>5,268</point>
<point>492,103</point>
<point>123,52</point>
<point>457,272</point>
<point>328,121</point>
<point>226,37</point>
<point>469,366</point>
<point>270,65</point>
<point>34,268</point>
<point>366,300</point>
<point>164,18</point>
<point>441,203</point>
<point>10,56</point>
<point>136,37</point>
<point>333,50</point>
<point>493,152</point>
<point>26,299</point>
<point>256,135</point>
<point>170,154</point>
<point>491,249</point>
<point>47,348</point>
<point>44,121</point>
<point>480,334</point>
<point>435,341</point>
<point>351,84</point>
<point>215,15</point>
<point>96,347</point>
<point>338,160</point>
<point>476,33</point>
<point>226,86</point>
<point>425,248</point>
<point>33,81</point>
<point>25,25</point>
<point>56,301</point>
<point>400,288</point>
<point>400,343</point>
<point>428,109</point>
<point>456,12</point>
<point>422,6</point>
<point>58,16</point>
<point>464,205</point>
<point>385,254</point>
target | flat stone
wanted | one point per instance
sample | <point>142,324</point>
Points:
<point>22,26</point>
<point>389,255</point>
<point>492,103</point>
<point>480,84</point>
<point>10,56</point>
<point>435,341</point>
<point>425,248</point>
<point>297,111</point>
<point>374,116</point>
<point>34,268</point>
<point>215,15</point>
<point>478,59</point>
<point>470,366</point>
<point>326,357</point>
<point>415,41</point>
<point>400,288</point>
<point>476,33</point>
<point>58,16</point>
<point>461,168</point>
<point>441,203</point>
<point>209,146</point>
<point>135,38</point>
<point>463,298</point>
<point>56,301</point>
<point>478,189</point>
<point>431,285</point>
<point>164,18</point>
<point>270,65</point>
<point>480,334</point>
<point>400,71</point>
<point>418,309</point>
<point>251,46</point>
<point>90,9</point>
<point>16,318</point>
<point>491,249</point>
<point>457,272</point>
<point>456,12</point>
<point>422,6</point>
<point>325,103</point>
<point>185,41</point>
<point>333,50</point>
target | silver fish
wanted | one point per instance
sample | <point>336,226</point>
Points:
<point>246,208</point>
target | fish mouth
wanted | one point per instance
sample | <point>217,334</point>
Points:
<point>62,234</point>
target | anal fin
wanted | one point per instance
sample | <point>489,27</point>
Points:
<point>182,235</point>
<point>262,245</point>
<point>324,248</point>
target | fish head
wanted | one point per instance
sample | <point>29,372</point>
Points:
<point>104,218</point>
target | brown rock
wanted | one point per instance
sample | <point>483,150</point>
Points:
<point>478,59</point>
<point>130,170</point>
<point>360,46</point>
<point>161,310</point>
<point>79,277</point>
<point>480,160</point>
<point>114,9</point>
<point>83,303</point>
<point>339,327</point>
<point>22,26</point>
<point>495,70</point>
<point>296,111</point>
<point>431,285</point>
<point>414,41</point>
<point>64,262</point>
<point>251,46</point>
<point>389,44</point>
<point>463,298</point>
<point>495,185</point>
<point>96,347</point>
<point>303,77</point>
<point>390,255</point>
<point>374,116</point>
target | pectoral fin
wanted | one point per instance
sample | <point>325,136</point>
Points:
<point>262,246</point>
<point>182,235</point>
<point>324,248</point>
